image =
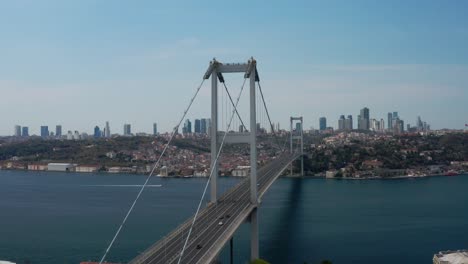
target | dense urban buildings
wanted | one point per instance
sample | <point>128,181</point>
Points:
<point>393,124</point>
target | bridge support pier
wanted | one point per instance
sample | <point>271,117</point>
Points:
<point>254,254</point>
<point>297,134</point>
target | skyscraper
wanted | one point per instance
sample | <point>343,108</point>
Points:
<point>341,123</point>
<point>187,129</point>
<point>107,130</point>
<point>389,121</point>
<point>155,129</point>
<point>97,132</point>
<point>323,123</point>
<point>127,130</point>
<point>17,131</point>
<point>197,126</point>
<point>364,121</point>
<point>382,125</point>
<point>44,131</point>
<point>203,126</point>
<point>58,130</point>
<point>349,123</point>
<point>25,131</point>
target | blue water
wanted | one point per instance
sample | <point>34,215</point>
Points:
<point>68,218</point>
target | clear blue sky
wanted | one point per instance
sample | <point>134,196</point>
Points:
<point>81,63</point>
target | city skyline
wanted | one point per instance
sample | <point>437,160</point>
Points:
<point>345,122</point>
<point>382,55</point>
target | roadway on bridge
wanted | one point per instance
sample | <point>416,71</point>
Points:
<point>216,223</point>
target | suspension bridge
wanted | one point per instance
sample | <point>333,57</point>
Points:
<point>201,238</point>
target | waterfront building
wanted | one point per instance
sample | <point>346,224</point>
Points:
<point>44,131</point>
<point>61,167</point>
<point>17,131</point>
<point>323,123</point>
<point>107,132</point>
<point>341,123</point>
<point>127,130</point>
<point>197,126</point>
<point>25,131</point>
<point>58,131</point>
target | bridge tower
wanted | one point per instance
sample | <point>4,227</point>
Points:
<point>215,71</point>
<point>298,135</point>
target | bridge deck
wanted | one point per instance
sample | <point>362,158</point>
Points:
<point>232,209</point>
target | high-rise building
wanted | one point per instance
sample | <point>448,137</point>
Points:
<point>127,130</point>
<point>58,130</point>
<point>363,120</point>
<point>395,115</point>
<point>374,125</point>
<point>390,121</point>
<point>349,123</point>
<point>155,129</point>
<point>107,130</point>
<point>44,131</point>
<point>187,129</point>
<point>17,131</point>
<point>341,123</point>
<point>197,126</point>
<point>204,126</point>
<point>382,125</point>
<point>25,131</point>
<point>97,132</point>
<point>323,123</point>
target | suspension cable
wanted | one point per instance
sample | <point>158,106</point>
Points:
<point>176,128</point>
<point>268,115</point>
<point>211,174</point>
<point>235,108</point>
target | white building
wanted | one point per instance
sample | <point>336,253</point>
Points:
<point>61,167</point>
<point>87,168</point>
<point>241,171</point>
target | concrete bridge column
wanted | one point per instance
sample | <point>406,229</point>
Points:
<point>254,235</point>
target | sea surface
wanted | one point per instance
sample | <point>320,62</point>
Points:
<point>60,218</point>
